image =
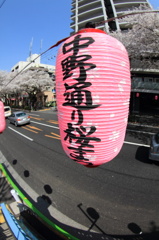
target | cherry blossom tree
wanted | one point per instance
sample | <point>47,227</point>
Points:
<point>142,38</point>
<point>2,77</point>
<point>33,81</point>
<point>29,82</point>
<point>5,79</point>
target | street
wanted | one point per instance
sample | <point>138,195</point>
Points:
<point>109,199</point>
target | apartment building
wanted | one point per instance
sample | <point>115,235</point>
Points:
<point>145,82</point>
<point>97,11</point>
<point>33,61</point>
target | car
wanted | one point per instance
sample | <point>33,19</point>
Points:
<point>19,118</point>
<point>7,111</point>
<point>154,148</point>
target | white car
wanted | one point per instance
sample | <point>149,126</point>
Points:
<point>7,111</point>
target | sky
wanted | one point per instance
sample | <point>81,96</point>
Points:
<point>32,26</point>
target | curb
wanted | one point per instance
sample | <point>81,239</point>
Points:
<point>142,127</point>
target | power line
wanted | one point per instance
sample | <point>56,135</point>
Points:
<point>62,40</point>
<point>125,15</point>
<point>55,45</point>
<point>2,3</point>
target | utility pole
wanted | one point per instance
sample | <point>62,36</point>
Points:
<point>41,42</point>
<point>30,49</point>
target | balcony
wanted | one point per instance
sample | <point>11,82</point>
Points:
<point>88,6</point>
<point>86,2</point>
<point>82,23</point>
<point>130,1</point>
<point>91,12</point>
<point>152,85</point>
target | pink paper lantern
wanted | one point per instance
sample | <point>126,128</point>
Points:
<point>93,92</point>
<point>2,118</point>
<point>156,97</point>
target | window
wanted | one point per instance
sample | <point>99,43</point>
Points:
<point>21,114</point>
<point>137,79</point>
<point>148,79</point>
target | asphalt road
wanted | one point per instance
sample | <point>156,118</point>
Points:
<point>119,198</point>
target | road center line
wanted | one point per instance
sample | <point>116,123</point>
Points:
<point>21,134</point>
<point>131,143</point>
<point>45,124</point>
<point>32,114</point>
<point>137,144</point>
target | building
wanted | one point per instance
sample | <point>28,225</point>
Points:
<point>33,62</point>
<point>97,11</point>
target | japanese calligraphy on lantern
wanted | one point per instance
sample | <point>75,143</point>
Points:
<point>92,96</point>
<point>78,97</point>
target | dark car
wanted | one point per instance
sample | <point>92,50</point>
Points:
<point>19,118</point>
<point>154,147</point>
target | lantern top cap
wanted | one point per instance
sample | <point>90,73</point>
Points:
<point>84,30</point>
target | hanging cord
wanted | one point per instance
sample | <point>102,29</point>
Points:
<point>55,45</point>
<point>125,15</point>
<point>2,3</point>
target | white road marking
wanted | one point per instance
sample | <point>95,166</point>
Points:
<point>131,143</point>
<point>137,144</point>
<point>34,114</point>
<point>45,124</point>
<point>21,134</point>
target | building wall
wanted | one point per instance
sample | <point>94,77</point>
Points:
<point>31,62</point>
<point>145,82</point>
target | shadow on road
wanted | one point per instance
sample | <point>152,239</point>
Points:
<point>142,155</point>
<point>43,202</point>
<point>93,217</point>
<point>134,228</point>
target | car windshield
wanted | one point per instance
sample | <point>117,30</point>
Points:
<point>6,109</point>
<point>20,114</point>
